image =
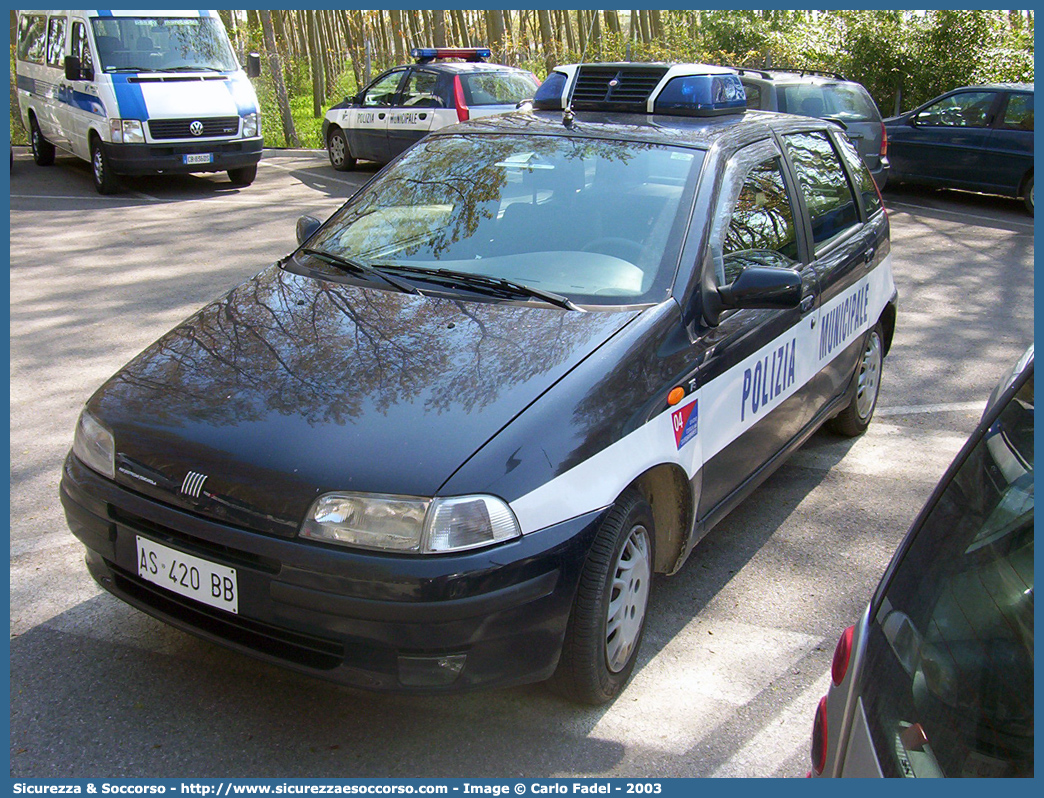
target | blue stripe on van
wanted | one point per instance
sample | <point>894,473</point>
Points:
<point>129,98</point>
<point>81,100</point>
<point>244,104</point>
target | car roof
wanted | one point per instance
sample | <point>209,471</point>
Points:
<point>466,66</point>
<point>997,87</point>
<point>796,76</point>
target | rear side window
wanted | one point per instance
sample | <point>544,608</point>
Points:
<point>864,180</point>
<point>847,101</point>
<point>753,93</point>
<point>56,41</point>
<point>948,681</point>
<point>831,205</point>
<point>497,88</point>
<point>32,38</point>
<point>420,91</point>
<point>1019,113</point>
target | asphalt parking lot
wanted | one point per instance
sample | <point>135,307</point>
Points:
<point>738,644</point>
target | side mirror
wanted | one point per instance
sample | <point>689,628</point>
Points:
<point>306,227</point>
<point>763,287</point>
<point>72,68</point>
<point>253,65</point>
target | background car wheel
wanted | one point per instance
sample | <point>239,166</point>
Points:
<point>43,150</point>
<point>1027,195</point>
<point>855,418</point>
<point>607,623</point>
<point>337,148</point>
<point>243,176</point>
<point>105,179</point>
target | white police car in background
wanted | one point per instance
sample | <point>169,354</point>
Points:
<point>404,104</point>
<point>529,364</point>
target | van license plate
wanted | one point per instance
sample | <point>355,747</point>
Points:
<point>203,157</point>
<point>192,577</point>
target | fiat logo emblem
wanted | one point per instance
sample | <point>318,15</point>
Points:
<point>196,128</point>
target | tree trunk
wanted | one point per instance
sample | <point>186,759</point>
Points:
<point>547,42</point>
<point>438,27</point>
<point>276,70</point>
<point>316,63</point>
<point>495,26</point>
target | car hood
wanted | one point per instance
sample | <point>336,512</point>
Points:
<point>292,386</point>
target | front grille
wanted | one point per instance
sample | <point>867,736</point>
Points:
<point>179,128</point>
<point>614,88</point>
<point>293,647</point>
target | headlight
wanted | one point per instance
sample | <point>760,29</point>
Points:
<point>126,131</point>
<point>251,126</point>
<point>409,523</point>
<point>94,445</point>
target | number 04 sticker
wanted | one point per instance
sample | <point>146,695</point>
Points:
<point>193,577</point>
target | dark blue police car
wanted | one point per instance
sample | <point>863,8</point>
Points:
<point>447,442</point>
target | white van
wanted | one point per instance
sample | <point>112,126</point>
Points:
<point>137,92</point>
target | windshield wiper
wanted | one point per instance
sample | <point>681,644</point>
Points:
<point>353,267</point>
<point>481,282</point>
<point>129,69</point>
<point>193,69</point>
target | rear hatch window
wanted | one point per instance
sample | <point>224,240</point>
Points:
<point>845,101</point>
<point>497,88</point>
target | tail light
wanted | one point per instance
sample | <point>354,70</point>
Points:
<point>884,140</point>
<point>842,654</point>
<point>819,738</point>
<point>463,114</point>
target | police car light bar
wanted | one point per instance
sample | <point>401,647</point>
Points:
<point>425,55</point>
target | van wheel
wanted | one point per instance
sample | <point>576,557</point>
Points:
<point>43,150</point>
<point>337,148</point>
<point>1027,195</point>
<point>243,176</point>
<point>855,418</point>
<point>607,622</point>
<point>105,179</point>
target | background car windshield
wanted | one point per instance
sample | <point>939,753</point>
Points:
<point>841,101</point>
<point>499,88</point>
<point>162,43</point>
<point>597,221</point>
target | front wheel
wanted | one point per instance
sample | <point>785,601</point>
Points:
<point>1027,195</point>
<point>337,148</point>
<point>607,623</point>
<point>243,176</point>
<point>105,180</point>
<point>855,418</point>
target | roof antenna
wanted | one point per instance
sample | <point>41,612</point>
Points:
<point>568,117</point>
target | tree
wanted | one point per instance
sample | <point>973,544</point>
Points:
<point>276,70</point>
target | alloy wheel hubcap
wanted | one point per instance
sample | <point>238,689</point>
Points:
<point>869,377</point>
<point>99,166</point>
<point>628,598</point>
<point>337,149</point>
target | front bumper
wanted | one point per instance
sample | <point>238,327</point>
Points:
<point>382,622</point>
<point>150,159</point>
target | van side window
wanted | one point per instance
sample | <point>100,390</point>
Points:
<point>56,41</point>
<point>831,205</point>
<point>81,47</point>
<point>32,38</point>
<point>762,223</point>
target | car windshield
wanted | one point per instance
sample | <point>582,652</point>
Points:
<point>596,221</point>
<point>838,100</point>
<point>497,88</point>
<point>157,44</point>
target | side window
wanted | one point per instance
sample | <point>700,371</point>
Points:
<point>761,229</point>
<point>1019,113</point>
<point>753,95</point>
<point>56,41</point>
<point>864,180</point>
<point>32,38</point>
<point>383,90</point>
<point>831,205</point>
<point>420,91</point>
<point>81,48</point>
<point>968,109</point>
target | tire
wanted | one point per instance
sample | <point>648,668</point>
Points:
<point>855,418</point>
<point>42,149</point>
<point>243,176</point>
<point>607,622</point>
<point>337,148</point>
<point>105,180</point>
<point>1027,195</point>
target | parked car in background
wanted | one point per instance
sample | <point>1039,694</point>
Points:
<point>824,95</point>
<point>406,103</point>
<point>936,679</point>
<point>978,138</point>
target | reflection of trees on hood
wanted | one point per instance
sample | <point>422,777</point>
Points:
<point>296,346</point>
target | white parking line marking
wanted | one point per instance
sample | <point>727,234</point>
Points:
<point>144,197</point>
<point>961,214</point>
<point>952,407</point>
<point>298,169</point>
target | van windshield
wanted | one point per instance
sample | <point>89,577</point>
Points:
<point>162,44</point>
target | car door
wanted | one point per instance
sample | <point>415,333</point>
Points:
<point>409,120</point>
<point>758,362</point>
<point>1008,153</point>
<point>81,103</point>
<point>366,123</point>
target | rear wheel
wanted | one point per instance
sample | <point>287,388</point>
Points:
<point>43,150</point>
<point>607,623</point>
<point>105,180</point>
<point>1027,195</point>
<point>243,176</point>
<point>337,148</point>
<point>855,418</point>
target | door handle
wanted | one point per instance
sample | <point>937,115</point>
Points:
<point>808,302</point>
<point>423,116</point>
<point>381,116</point>
<point>869,256</point>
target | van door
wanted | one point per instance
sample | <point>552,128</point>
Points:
<point>52,122</point>
<point>81,104</point>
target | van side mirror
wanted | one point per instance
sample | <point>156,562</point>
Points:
<point>763,287</point>
<point>306,227</point>
<point>253,65</point>
<point>72,68</point>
